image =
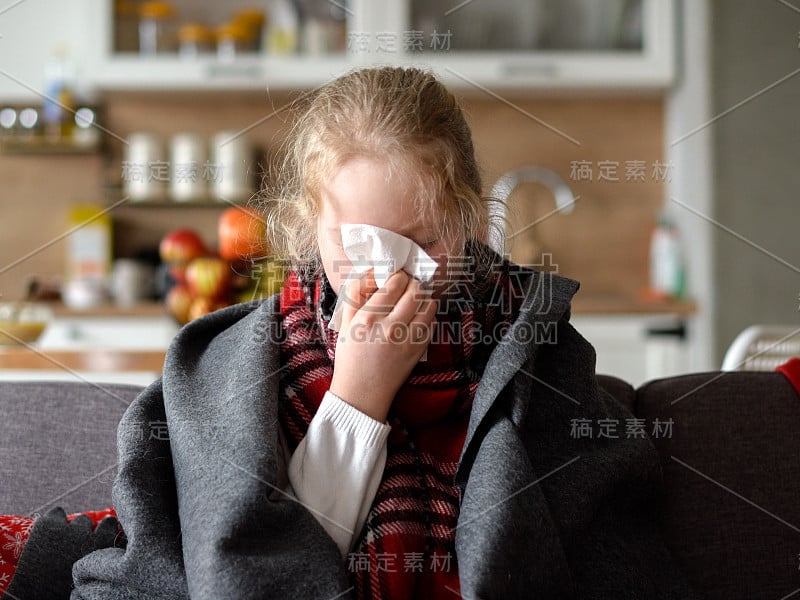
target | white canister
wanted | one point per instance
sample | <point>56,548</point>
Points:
<point>81,294</point>
<point>188,166</point>
<point>131,281</point>
<point>145,171</point>
<point>231,171</point>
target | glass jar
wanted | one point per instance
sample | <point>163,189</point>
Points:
<point>85,132</point>
<point>8,122</point>
<point>157,28</point>
<point>253,19</point>
<point>324,28</point>
<point>126,26</point>
<point>233,38</point>
<point>195,39</point>
<point>29,122</point>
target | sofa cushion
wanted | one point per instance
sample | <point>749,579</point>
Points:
<point>58,444</point>
<point>731,513</point>
<point>619,388</point>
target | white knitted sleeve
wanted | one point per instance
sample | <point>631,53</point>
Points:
<point>337,467</point>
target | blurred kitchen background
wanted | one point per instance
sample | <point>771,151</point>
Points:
<point>646,148</point>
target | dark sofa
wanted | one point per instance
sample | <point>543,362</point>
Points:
<point>729,445</point>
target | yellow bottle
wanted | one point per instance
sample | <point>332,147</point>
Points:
<point>282,31</point>
<point>89,244</point>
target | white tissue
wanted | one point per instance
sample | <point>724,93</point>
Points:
<point>368,246</point>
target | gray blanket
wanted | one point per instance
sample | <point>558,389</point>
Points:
<point>544,513</point>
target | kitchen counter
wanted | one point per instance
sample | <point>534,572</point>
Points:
<point>98,366</point>
<point>109,309</point>
<point>588,305</point>
<point>617,305</point>
<point>104,344</point>
<point>636,338</point>
<point>100,361</point>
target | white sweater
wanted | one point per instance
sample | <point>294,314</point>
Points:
<point>337,467</point>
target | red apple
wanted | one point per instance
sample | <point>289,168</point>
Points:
<point>178,248</point>
<point>242,234</point>
<point>178,301</point>
<point>201,306</point>
<point>208,277</point>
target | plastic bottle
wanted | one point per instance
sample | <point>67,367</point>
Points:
<point>283,28</point>
<point>59,104</point>
<point>667,272</point>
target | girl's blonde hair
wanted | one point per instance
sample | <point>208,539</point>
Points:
<point>403,117</point>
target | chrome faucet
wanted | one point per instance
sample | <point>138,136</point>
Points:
<point>503,188</point>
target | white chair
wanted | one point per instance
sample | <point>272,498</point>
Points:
<point>762,348</point>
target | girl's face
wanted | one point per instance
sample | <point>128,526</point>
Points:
<point>361,191</point>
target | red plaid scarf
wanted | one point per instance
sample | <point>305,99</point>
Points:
<point>407,546</point>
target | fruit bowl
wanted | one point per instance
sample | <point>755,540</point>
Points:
<point>22,323</point>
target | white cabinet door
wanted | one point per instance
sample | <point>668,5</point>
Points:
<point>627,350</point>
<point>124,333</point>
<point>527,44</point>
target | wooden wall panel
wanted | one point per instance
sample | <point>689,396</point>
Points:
<point>603,242</point>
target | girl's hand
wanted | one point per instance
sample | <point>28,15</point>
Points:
<point>383,334</point>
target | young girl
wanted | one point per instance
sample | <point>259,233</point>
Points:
<point>424,448</point>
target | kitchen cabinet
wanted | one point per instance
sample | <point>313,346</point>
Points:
<point>519,44</point>
<point>637,347</point>
<point>101,348</point>
<point>512,44</point>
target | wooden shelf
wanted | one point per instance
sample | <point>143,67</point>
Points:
<point>108,309</point>
<point>103,360</point>
<point>165,204</point>
<point>39,141</point>
<point>44,147</point>
<point>115,195</point>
